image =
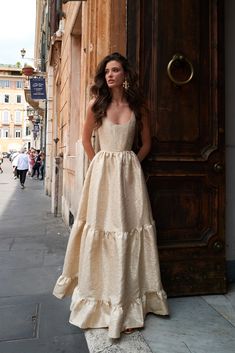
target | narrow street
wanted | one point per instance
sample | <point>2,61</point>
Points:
<point>32,246</point>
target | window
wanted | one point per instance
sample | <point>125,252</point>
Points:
<point>5,117</point>
<point>17,133</point>
<point>17,117</point>
<point>27,131</point>
<point>5,133</point>
<point>4,83</point>
<point>19,84</point>
<point>18,98</point>
<point>6,98</point>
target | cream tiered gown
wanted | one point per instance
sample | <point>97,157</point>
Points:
<point>111,265</point>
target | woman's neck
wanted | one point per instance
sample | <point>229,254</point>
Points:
<point>118,96</point>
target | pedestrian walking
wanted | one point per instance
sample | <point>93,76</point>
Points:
<point>22,166</point>
<point>14,161</point>
<point>42,166</point>
<point>37,164</point>
<point>1,161</point>
<point>111,265</point>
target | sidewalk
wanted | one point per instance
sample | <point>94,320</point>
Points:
<point>32,247</point>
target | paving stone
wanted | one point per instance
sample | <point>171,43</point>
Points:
<point>32,230</point>
<point>29,281</point>
<point>74,343</point>
<point>224,305</point>
<point>51,243</point>
<point>5,243</point>
<point>19,322</point>
<point>21,259</point>
<point>98,341</point>
<point>28,243</point>
<point>53,259</point>
<point>193,327</point>
<point>54,333</point>
<point>53,314</point>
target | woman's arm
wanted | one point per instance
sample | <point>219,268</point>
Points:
<point>146,139</point>
<point>88,128</point>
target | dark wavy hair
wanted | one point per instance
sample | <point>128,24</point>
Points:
<point>103,95</point>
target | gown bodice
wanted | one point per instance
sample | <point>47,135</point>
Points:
<point>116,137</point>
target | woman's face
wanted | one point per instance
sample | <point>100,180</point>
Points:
<point>114,74</point>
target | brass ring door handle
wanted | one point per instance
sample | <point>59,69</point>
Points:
<point>218,167</point>
<point>182,58</point>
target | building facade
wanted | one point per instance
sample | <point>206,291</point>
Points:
<point>178,49</point>
<point>63,41</point>
<point>15,129</point>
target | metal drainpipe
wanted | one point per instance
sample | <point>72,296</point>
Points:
<point>57,174</point>
<point>45,138</point>
<point>57,183</point>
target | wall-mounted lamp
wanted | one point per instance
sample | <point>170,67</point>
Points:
<point>23,52</point>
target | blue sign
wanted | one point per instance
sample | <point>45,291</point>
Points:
<point>38,88</point>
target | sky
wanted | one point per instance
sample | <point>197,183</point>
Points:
<point>17,30</point>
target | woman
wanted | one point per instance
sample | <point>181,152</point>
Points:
<point>111,265</point>
<point>37,165</point>
<point>31,156</point>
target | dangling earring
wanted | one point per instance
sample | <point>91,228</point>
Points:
<point>126,84</point>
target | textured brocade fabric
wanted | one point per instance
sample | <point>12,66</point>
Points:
<point>111,265</point>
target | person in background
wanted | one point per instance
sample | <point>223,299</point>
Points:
<point>41,169</point>
<point>37,165</point>
<point>14,161</point>
<point>31,156</point>
<point>1,161</point>
<point>22,166</point>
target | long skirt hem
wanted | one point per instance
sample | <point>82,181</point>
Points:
<point>91,313</point>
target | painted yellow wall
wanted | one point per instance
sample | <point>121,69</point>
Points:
<point>11,142</point>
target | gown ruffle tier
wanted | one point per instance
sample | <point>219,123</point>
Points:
<point>111,266</point>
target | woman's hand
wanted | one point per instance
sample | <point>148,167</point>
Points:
<point>146,139</point>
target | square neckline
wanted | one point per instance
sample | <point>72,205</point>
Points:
<point>131,116</point>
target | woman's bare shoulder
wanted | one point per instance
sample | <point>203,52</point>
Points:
<point>90,116</point>
<point>91,103</point>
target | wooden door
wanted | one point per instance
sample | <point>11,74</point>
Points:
<point>185,169</point>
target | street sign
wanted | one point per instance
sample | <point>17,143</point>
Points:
<point>38,88</point>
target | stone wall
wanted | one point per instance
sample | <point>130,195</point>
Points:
<point>90,31</point>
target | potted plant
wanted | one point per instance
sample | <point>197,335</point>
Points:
<point>27,70</point>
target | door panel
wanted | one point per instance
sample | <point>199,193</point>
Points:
<point>185,169</point>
